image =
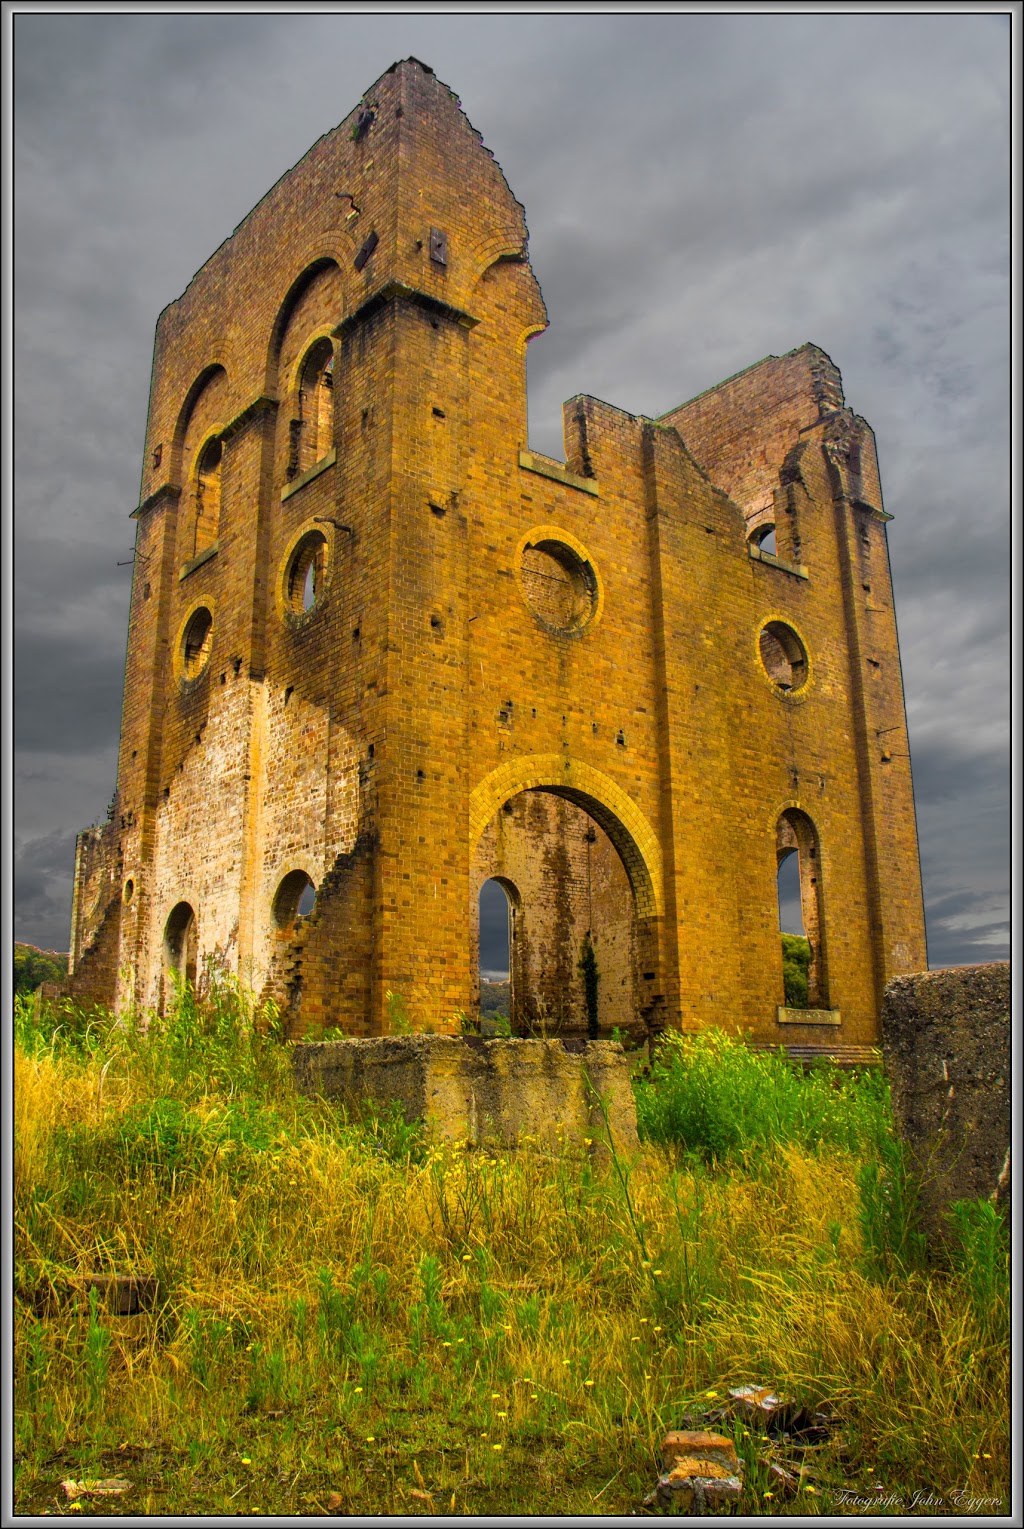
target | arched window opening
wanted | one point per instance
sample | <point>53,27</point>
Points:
<point>497,932</point>
<point>294,901</point>
<point>306,574</point>
<point>208,495</point>
<point>181,941</point>
<point>764,538</point>
<point>801,923</point>
<point>313,427</point>
<point>196,643</point>
<point>796,948</point>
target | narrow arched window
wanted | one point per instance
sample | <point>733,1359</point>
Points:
<point>313,422</point>
<point>801,911</point>
<point>498,901</point>
<point>207,495</point>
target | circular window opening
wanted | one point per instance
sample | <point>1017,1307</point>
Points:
<point>307,571</point>
<point>783,655</point>
<point>295,900</point>
<point>129,891</point>
<point>196,643</point>
<point>560,587</point>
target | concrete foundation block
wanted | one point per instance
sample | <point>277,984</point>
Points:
<point>503,1092</point>
<point>946,1044</point>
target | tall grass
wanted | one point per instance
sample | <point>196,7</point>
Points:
<point>354,1319</point>
<point>711,1096</point>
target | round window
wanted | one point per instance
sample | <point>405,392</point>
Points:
<point>196,643</point>
<point>783,655</point>
<point>294,900</point>
<point>306,574</point>
<point>560,586</point>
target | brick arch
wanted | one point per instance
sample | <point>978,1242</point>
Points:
<point>496,256</point>
<point>208,374</point>
<point>492,248</point>
<point>598,795</point>
<point>313,268</point>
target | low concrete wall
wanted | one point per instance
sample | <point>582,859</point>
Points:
<point>946,1043</point>
<point>483,1091</point>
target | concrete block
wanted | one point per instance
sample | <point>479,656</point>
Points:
<point>505,1092</point>
<point>946,1044</point>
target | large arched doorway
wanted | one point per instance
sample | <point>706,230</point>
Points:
<point>584,905</point>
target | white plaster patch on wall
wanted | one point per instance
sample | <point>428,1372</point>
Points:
<point>308,804</point>
<point>200,837</point>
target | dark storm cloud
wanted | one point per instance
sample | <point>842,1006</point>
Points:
<point>42,890</point>
<point>701,190</point>
<point>493,929</point>
<point>56,678</point>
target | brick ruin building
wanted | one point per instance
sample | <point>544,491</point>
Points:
<point>380,652</point>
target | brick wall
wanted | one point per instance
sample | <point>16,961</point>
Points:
<point>370,740</point>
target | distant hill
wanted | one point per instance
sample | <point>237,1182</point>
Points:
<point>33,966</point>
<point>495,997</point>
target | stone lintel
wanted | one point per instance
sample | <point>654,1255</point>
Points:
<point>198,561</point>
<point>872,510</point>
<point>399,290</point>
<point>547,467</point>
<point>168,493</point>
<point>308,476</point>
<point>250,415</point>
<point>798,570</point>
<point>808,1016</point>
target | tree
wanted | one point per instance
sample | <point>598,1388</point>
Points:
<point>796,961</point>
<point>588,970</point>
<point>32,967</point>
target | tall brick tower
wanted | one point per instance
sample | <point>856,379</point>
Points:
<point>379,652</point>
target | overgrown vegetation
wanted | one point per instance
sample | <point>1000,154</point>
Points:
<point>352,1320</point>
<point>796,963</point>
<point>495,998</point>
<point>33,966</point>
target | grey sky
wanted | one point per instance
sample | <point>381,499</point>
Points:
<point>701,190</point>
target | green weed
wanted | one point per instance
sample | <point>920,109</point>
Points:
<point>981,1257</point>
<point>889,1219</point>
<point>399,1022</point>
<point>714,1097</point>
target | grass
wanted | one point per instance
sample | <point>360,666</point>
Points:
<point>353,1321</point>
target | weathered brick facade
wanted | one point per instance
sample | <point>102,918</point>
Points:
<point>377,645</point>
